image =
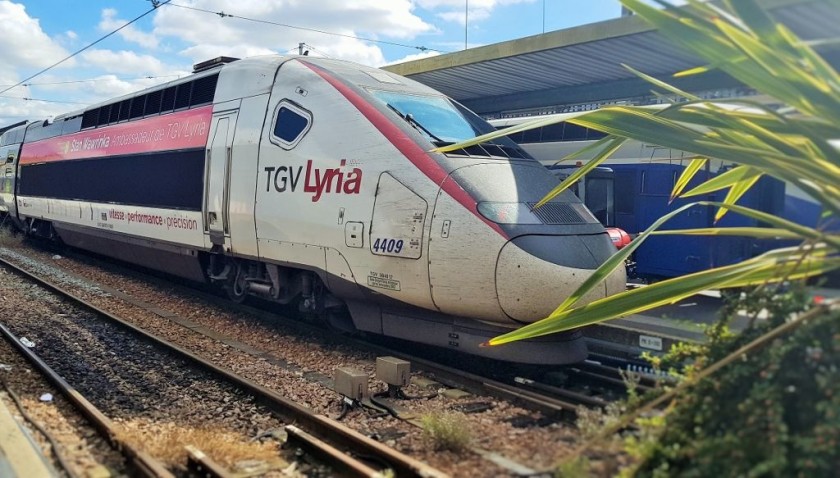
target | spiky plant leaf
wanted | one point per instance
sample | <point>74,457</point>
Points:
<point>773,266</point>
<point>687,175</point>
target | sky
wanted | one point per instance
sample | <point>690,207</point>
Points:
<point>164,44</point>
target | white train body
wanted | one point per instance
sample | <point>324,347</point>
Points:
<point>308,180</point>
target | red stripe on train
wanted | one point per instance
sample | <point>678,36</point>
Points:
<point>418,157</point>
<point>183,130</point>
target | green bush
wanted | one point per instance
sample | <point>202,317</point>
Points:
<point>776,412</point>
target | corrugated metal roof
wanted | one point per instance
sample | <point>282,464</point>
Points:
<point>588,55</point>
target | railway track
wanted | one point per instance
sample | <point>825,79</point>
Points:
<point>332,441</point>
<point>589,384</point>
<point>557,395</point>
<point>141,462</point>
<point>592,383</point>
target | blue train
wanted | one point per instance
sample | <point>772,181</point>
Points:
<point>632,189</point>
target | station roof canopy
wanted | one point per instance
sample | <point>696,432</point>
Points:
<point>584,64</point>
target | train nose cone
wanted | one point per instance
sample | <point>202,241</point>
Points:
<point>535,273</point>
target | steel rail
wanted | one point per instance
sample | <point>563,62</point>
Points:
<point>331,454</point>
<point>201,465</point>
<point>142,462</point>
<point>564,406</point>
<point>318,425</point>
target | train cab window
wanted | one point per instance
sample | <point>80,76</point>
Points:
<point>291,122</point>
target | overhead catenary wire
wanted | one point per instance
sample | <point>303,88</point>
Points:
<point>222,14</point>
<point>155,5</point>
<point>42,100</point>
<point>310,47</point>
<point>93,80</point>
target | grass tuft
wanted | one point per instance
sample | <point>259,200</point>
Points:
<point>9,238</point>
<point>446,431</point>
<point>166,442</point>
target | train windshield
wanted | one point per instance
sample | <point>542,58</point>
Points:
<point>441,120</point>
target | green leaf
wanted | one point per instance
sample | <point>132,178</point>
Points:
<point>661,84</point>
<point>722,181</point>
<point>687,175</point>
<point>737,190</point>
<point>617,259</point>
<point>773,266</point>
<point>537,123</point>
<point>781,223</point>
<point>757,232</point>
<point>611,146</point>
<point>599,147</point>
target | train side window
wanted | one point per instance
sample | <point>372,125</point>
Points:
<point>104,114</point>
<point>625,192</point>
<point>90,118</point>
<point>291,123</point>
<point>153,103</point>
<point>573,132</point>
<point>115,113</point>
<point>125,109</point>
<point>552,133</point>
<point>532,135</point>
<point>594,134</point>
<point>182,95</point>
<point>138,103</point>
<point>515,137</point>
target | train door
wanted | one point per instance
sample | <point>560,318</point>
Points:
<point>217,192</point>
<point>8,164</point>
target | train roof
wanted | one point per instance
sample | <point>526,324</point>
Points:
<point>259,65</point>
<point>257,76</point>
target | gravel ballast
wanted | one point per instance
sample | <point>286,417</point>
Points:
<point>536,447</point>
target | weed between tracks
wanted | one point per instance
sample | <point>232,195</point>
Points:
<point>10,239</point>
<point>166,443</point>
<point>446,431</point>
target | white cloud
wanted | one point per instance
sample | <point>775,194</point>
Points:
<point>25,49</point>
<point>207,51</point>
<point>208,35</point>
<point>110,22</point>
<point>124,61</point>
<point>24,44</point>
<point>413,56</point>
<point>460,17</point>
<point>102,87</point>
<point>455,10</point>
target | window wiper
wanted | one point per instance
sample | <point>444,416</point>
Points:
<point>413,122</point>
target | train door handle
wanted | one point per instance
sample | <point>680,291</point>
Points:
<point>211,216</point>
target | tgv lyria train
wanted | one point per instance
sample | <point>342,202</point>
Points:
<point>635,191</point>
<point>312,181</point>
